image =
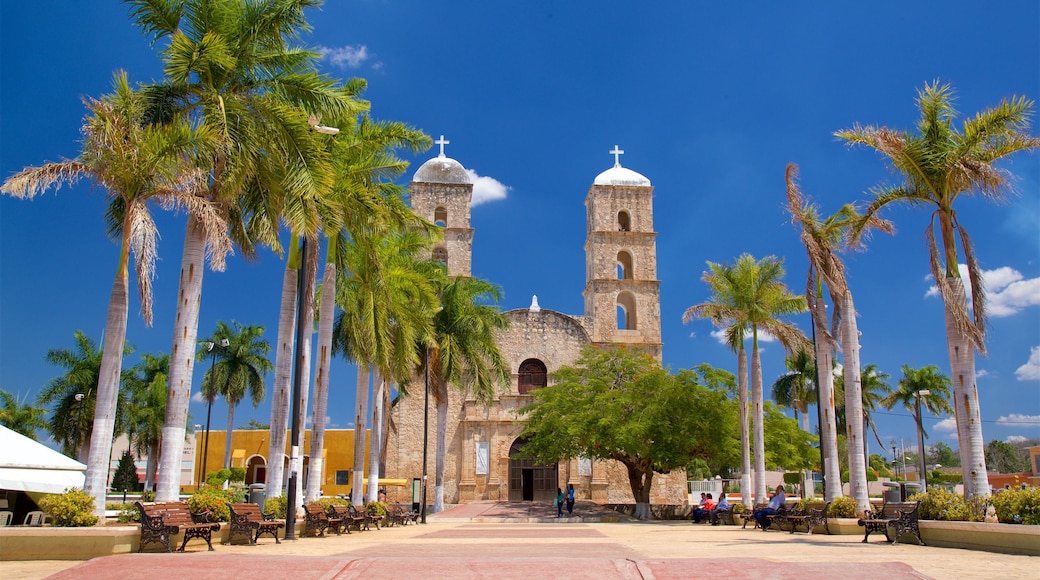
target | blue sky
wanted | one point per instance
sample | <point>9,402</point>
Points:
<point>709,101</point>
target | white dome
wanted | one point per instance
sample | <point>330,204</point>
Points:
<point>442,169</point>
<point>618,175</point>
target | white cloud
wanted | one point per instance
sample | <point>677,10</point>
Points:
<point>1007,290</point>
<point>196,397</point>
<point>719,334</point>
<point>1031,370</point>
<point>981,373</point>
<point>1014,420</point>
<point>1016,439</point>
<point>345,57</point>
<point>486,189</point>
<point>947,424</point>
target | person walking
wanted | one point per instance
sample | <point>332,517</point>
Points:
<point>559,502</point>
<point>570,499</point>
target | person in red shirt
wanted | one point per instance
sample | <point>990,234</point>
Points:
<point>704,509</point>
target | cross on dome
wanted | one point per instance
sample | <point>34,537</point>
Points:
<point>442,142</point>
<point>617,153</point>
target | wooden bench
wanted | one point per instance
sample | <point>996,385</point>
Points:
<point>750,515</point>
<point>317,521</point>
<point>814,514</point>
<point>367,517</point>
<point>781,519</point>
<point>724,516</point>
<point>397,513</point>
<point>248,520</point>
<point>902,516</point>
<point>349,517</point>
<point>160,521</point>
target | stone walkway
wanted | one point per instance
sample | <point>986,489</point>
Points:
<point>525,541</point>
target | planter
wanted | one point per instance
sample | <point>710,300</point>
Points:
<point>51,543</point>
<point>844,526</point>
<point>1002,538</point>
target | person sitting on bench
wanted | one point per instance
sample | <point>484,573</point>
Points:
<point>775,503</point>
<point>704,509</point>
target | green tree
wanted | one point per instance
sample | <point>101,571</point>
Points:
<point>256,425</point>
<point>787,446</point>
<point>823,238</point>
<point>796,389</point>
<point>938,163</point>
<point>136,163</point>
<point>146,410</point>
<point>942,454</point>
<point>1004,457</point>
<point>234,67</point>
<point>929,378</point>
<point>125,478</point>
<point>239,372</point>
<point>21,417</point>
<point>620,405</point>
<point>724,310</point>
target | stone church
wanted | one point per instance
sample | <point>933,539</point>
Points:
<point>622,306</point>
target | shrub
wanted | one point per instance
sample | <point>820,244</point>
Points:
<point>739,508</point>
<point>128,513</point>
<point>74,508</point>
<point>376,508</point>
<point>238,474</point>
<point>1018,506</point>
<point>213,500</point>
<point>939,504</point>
<point>326,503</point>
<point>794,478</point>
<point>217,478</point>
<point>147,496</point>
<point>276,506</point>
<point>843,507</point>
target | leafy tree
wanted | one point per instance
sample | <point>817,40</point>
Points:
<point>796,389</point>
<point>787,446</point>
<point>254,424</point>
<point>937,402</point>
<point>942,454</point>
<point>125,478</point>
<point>234,67</point>
<point>938,163</point>
<point>620,405</point>
<point>21,417</point>
<point>239,372</point>
<point>1004,457</point>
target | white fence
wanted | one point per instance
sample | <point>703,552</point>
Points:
<point>713,486</point>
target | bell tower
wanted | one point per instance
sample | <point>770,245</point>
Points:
<point>441,191</point>
<point>622,292</point>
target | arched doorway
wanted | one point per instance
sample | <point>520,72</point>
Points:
<point>530,482</point>
<point>256,469</point>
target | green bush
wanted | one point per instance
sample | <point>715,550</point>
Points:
<point>147,496</point>
<point>276,506</point>
<point>843,507</point>
<point>376,508</point>
<point>326,503</point>
<point>74,508</point>
<point>128,513</point>
<point>939,504</point>
<point>214,500</point>
<point>238,474</point>
<point>217,478</point>
<point>794,478</point>
<point>1018,506</point>
<point>739,508</point>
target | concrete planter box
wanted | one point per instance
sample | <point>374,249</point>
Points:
<point>1002,538</point>
<point>844,526</point>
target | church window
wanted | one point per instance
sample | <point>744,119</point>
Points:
<point>343,477</point>
<point>440,216</point>
<point>626,311</point>
<point>624,222</point>
<point>624,265</point>
<point>440,254</point>
<point>532,375</point>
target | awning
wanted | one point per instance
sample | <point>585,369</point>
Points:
<point>26,465</point>
<point>238,454</point>
<point>382,482</point>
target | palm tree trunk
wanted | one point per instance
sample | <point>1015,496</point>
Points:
<point>321,378</point>
<point>282,386</point>
<point>745,424</point>
<point>854,405</point>
<point>96,482</point>
<point>758,418</point>
<point>310,270</point>
<point>360,418</point>
<point>182,361</point>
<point>149,467</point>
<point>825,398</point>
<point>376,445</point>
<point>442,442</point>
<point>230,431</point>
<point>965,396</point>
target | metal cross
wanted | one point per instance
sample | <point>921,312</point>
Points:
<point>617,153</point>
<point>442,142</point>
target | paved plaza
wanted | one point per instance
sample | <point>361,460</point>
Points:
<point>524,541</point>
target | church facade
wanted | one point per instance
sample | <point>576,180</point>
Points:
<point>622,306</point>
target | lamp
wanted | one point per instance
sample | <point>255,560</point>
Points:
<point>920,437</point>
<point>210,348</point>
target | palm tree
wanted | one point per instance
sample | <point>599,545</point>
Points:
<point>240,371</point>
<point>723,309</point>
<point>235,71</point>
<point>136,163</point>
<point>874,388</point>
<point>465,354</point>
<point>822,238</point>
<point>74,395</point>
<point>939,163</point>
<point>796,389</point>
<point>21,417</point>
<point>936,402</point>
<point>146,410</point>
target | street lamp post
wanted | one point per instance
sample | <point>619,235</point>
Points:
<point>426,436</point>
<point>303,289</point>
<point>895,461</point>
<point>211,348</point>
<point>920,437</point>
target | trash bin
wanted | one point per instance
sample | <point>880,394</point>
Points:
<point>910,489</point>
<point>257,494</point>
<point>893,492</point>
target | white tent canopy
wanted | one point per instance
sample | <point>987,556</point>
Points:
<point>26,465</point>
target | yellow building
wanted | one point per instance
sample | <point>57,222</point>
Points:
<point>249,450</point>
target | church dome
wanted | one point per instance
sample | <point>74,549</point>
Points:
<point>442,169</point>
<point>618,175</point>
